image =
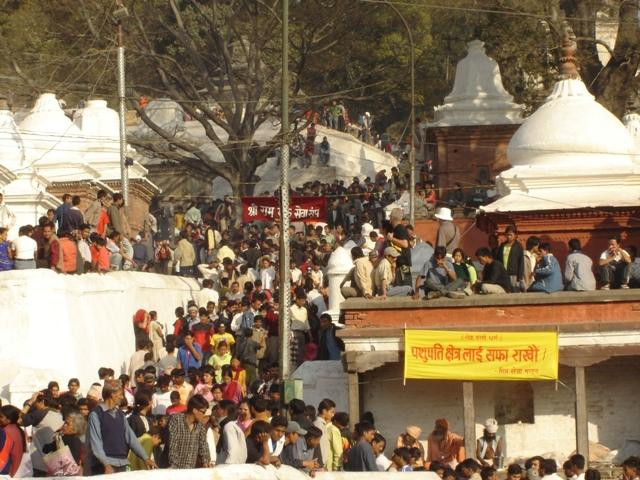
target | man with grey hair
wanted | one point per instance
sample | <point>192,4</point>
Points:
<point>400,239</point>
<point>109,435</point>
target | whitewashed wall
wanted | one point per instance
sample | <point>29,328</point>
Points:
<point>612,394</point>
<point>55,326</point>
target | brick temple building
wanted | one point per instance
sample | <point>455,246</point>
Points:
<point>574,173</point>
<point>474,125</point>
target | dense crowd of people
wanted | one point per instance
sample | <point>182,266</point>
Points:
<point>174,414</point>
<point>206,240</point>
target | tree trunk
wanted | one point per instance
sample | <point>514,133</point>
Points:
<point>615,85</point>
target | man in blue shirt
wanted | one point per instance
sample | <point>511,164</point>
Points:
<point>189,354</point>
<point>109,435</point>
<point>329,346</point>
<point>547,275</point>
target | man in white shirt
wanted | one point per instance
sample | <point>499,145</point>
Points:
<point>548,469</point>
<point>233,448</point>
<point>299,328</point>
<point>578,465</point>
<point>83,246</point>
<point>267,273</point>
<point>615,265</point>
<point>295,273</point>
<point>277,435</point>
<point>316,297</point>
<point>161,398</point>
<point>25,249</point>
<point>210,270</point>
<point>207,294</point>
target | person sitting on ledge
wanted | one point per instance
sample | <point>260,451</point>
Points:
<point>494,276</point>
<point>614,265</point>
<point>578,269</point>
<point>547,274</point>
<point>440,277</point>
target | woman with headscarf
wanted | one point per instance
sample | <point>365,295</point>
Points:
<point>445,446</point>
<point>141,322</point>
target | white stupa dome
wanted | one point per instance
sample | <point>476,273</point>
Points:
<point>50,137</point>
<point>97,120</point>
<point>478,96</point>
<point>99,125</point>
<point>572,131</point>
<point>632,122</point>
<point>11,145</point>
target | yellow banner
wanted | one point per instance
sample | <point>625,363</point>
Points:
<point>449,355</point>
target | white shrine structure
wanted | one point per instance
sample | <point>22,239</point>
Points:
<point>575,170</point>
<point>47,154</point>
<point>473,126</point>
<point>478,96</point>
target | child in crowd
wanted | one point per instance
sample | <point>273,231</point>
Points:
<point>231,389</point>
<point>205,388</point>
<point>176,406</point>
<point>239,375</point>
<point>402,459</point>
<point>219,359</point>
<point>161,399</point>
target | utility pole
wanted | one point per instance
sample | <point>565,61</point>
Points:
<point>120,14</point>
<point>412,151</point>
<point>285,289</point>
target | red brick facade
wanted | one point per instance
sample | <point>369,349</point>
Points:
<point>463,151</point>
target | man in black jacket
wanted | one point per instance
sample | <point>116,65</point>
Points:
<point>494,276</point>
<point>511,255</point>
<point>335,215</point>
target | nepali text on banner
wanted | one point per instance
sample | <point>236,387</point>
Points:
<point>453,355</point>
<point>267,209</point>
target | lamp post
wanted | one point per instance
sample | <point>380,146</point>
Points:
<point>120,14</point>
<point>285,296</point>
<point>412,151</point>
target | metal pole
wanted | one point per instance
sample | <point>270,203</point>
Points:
<point>124,173</point>
<point>285,296</point>
<point>412,151</point>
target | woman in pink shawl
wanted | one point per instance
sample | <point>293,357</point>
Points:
<point>445,446</point>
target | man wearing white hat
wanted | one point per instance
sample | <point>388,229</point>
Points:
<point>448,235</point>
<point>490,447</point>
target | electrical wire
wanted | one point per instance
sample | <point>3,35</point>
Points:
<point>518,13</point>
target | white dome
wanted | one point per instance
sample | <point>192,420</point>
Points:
<point>572,131</point>
<point>632,122</point>
<point>49,135</point>
<point>478,96</point>
<point>98,120</point>
<point>11,145</point>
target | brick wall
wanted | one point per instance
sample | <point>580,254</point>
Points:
<point>479,316</point>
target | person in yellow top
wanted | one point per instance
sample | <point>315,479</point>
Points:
<point>179,385</point>
<point>149,441</point>
<point>219,359</point>
<point>221,335</point>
